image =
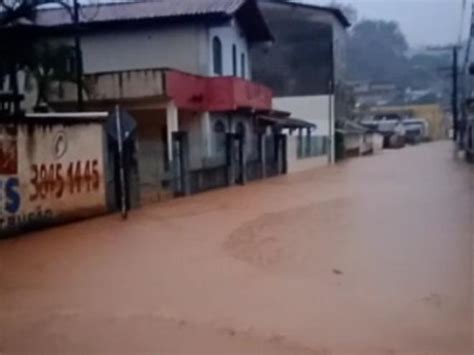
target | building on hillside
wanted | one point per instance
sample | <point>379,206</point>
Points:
<point>367,94</point>
<point>182,71</point>
<point>306,65</point>
<point>433,114</point>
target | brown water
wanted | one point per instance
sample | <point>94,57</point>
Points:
<point>373,256</point>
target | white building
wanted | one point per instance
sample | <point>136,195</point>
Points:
<point>313,85</point>
<point>179,67</point>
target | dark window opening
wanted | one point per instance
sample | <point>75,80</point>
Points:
<point>234,60</point>
<point>217,55</point>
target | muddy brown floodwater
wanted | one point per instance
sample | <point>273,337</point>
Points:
<point>373,256</point>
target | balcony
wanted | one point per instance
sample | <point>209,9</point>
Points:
<point>187,91</point>
<point>216,93</point>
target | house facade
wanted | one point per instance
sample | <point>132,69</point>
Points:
<point>182,70</point>
<point>306,66</point>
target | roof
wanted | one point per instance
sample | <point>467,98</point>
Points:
<point>337,13</point>
<point>156,11</point>
<point>286,122</point>
<point>354,127</point>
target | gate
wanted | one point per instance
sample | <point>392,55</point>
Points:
<point>181,182</point>
<point>235,159</point>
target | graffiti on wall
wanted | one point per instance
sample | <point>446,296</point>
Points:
<point>52,181</point>
<point>11,213</point>
<point>38,185</point>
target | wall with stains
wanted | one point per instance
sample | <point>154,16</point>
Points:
<point>50,173</point>
<point>295,164</point>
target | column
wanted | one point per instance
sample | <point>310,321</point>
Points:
<point>171,126</point>
<point>263,154</point>
<point>308,142</point>
<point>206,135</point>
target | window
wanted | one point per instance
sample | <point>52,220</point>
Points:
<point>243,65</point>
<point>234,60</point>
<point>217,55</point>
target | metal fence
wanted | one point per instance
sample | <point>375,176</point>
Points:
<point>315,146</point>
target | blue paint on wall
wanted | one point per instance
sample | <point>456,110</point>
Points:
<point>12,194</point>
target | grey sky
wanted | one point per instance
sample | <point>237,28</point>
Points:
<point>423,21</point>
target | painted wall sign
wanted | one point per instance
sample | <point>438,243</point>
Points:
<point>8,149</point>
<point>49,174</point>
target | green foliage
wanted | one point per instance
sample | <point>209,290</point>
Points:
<point>21,49</point>
<point>50,64</point>
<point>379,52</point>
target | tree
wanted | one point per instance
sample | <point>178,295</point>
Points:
<point>49,65</point>
<point>377,50</point>
<point>18,38</point>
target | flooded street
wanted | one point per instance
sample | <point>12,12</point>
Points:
<point>373,256</point>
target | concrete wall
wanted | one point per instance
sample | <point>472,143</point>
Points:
<point>298,165</point>
<point>186,47</point>
<point>133,84</point>
<point>377,143</point>
<point>152,154</point>
<point>50,173</point>
<point>190,122</point>
<point>231,122</point>
<point>230,35</point>
<point>315,109</point>
<point>353,144</point>
<point>181,47</point>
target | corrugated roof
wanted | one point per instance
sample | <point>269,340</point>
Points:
<point>333,10</point>
<point>246,11</point>
<point>137,10</point>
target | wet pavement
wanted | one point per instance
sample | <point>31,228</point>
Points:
<point>373,256</point>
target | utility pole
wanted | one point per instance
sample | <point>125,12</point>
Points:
<point>455,94</point>
<point>78,55</point>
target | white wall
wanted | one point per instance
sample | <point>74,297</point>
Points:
<point>191,123</point>
<point>229,35</point>
<point>315,109</point>
<point>297,165</point>
<point>183,47</point>
<point>179,47</point>
<point>52,173</point>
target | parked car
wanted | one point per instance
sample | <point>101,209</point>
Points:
<point>416,130</point>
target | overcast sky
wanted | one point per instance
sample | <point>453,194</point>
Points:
<point>424,22</point>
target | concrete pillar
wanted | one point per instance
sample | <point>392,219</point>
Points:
<point>263,154</point>
<point>301,145</point>
<point>206,134</point>
<point>181,163</point>
<point>230,160</point>
<point>332,131</point>
<point>308,142</point>
<point>171,126</point>
<point>284,153</point>
<point>242,159</point>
